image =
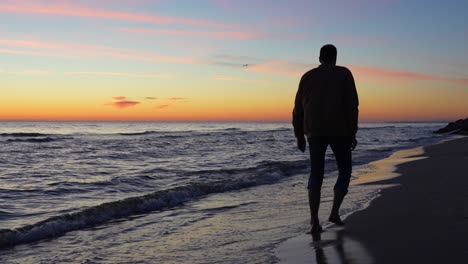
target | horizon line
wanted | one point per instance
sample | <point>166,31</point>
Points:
<point>212,121</point>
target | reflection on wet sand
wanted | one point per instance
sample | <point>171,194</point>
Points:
<point>338,245</point>
<point>333,246</point>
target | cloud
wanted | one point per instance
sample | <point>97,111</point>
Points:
<point>125,104</point>
<point>172,101</point>
<point>399,75</point>
<point>29,44</point>
<point>297,69</point>
<point>83,50</point>
<point>191,33</point>
<point>33,53</point>
<point>122,102</point>
<point>27,72</point>
<point>66,8</point>
<point>162,106</point>
<point>125,74</point>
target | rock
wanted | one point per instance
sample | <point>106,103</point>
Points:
<point>458,127</point>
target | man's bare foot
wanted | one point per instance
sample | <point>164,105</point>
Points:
<point>336,220</point>
<point>315,229</point>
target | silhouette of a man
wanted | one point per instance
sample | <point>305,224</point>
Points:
<point>326,111</point>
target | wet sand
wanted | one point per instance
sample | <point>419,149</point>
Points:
<point>423,218</point>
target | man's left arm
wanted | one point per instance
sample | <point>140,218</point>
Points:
<point>353,107</point>
<point>298,119</point>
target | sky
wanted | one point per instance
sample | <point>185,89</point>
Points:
<point>227,60</point>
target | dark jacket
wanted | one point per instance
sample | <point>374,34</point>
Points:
<point>326,103</point>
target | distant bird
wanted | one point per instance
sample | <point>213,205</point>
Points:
<point>245,65</point>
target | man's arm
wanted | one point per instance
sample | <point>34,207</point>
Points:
<point>298,118</point>
<point>352,102</point>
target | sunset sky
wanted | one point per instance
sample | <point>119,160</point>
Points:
<point>182,60</point>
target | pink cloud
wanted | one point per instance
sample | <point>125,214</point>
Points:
<point>175,98</point>
<point>124,104</point>
<point>124,74</point>
<point>80,50</point>
<point>399,75</point>
<point>207,34</point>
<point>29,44</point>
<point>33,53</point>
<point>62,8</point>
<point>374,73</point>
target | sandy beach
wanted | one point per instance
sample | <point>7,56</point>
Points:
<point>423,218</point>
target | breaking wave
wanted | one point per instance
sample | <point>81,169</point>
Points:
<point>159,200</point>
<point>33,140</point>
<point>23,135</point>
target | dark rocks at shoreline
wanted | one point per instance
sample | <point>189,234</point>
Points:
<point>459,127</point>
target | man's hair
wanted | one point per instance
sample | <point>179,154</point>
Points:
<point>328,53</point>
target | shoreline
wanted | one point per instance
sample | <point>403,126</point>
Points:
<point>424,218</point>
<point>399,225</point>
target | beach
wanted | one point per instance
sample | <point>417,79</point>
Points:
<point>421,218</point>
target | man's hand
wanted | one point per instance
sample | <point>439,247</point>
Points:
<point>301,143</point>
<point>353,143</point>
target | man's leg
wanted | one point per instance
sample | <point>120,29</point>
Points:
<point>341,147</point>
<point>317,148</point>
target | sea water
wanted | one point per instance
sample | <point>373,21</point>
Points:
<point>150,192</point>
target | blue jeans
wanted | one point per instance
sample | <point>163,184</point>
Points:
<point>341,147</point>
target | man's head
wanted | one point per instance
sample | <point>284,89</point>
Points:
<point>328,54</point>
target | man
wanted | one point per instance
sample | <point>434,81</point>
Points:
<point>326,111</point>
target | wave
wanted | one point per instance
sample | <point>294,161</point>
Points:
<point>139,133</point>
<point>281,129</point>
<point>226,207</point>
<point>30,135</point>
<point>261,169</point>
<point>202,133</point>
<point>163,134</point>
<point>171,133</point>
<point>34,140</point>
<point>159,200</point>
<point>382,127</point>
<point>5,214</point>
<point>389,149</point>
<point>233,129</point>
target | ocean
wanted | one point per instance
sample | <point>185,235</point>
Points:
<point>152,192</point>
